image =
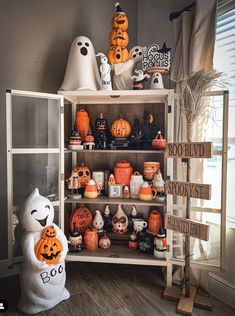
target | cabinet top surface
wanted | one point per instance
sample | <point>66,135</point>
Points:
<point>117,96</point>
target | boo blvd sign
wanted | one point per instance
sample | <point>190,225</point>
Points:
<point>187,227</point>
<point>189,150</point>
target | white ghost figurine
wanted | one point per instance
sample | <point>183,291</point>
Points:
<point>82,70</point>
<point>105,70</point>
<point>156,82</point>
<point>123,71</point>
<point>98,222</point>
<point>42,284</point>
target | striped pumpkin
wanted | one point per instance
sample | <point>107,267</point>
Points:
<point>121,128</point>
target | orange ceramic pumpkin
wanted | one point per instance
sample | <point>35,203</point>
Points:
<point>120,21</point>
<point>121,128</point>
<point>82,122</point>
<point>84,175</point>
<point>117,54</point>
<point>49,248</point>
<point>118,37</point>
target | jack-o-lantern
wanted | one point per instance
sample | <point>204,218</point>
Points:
<point>49,248</point>
<point>121,128</point>
<point>117,54</point>
<point>84,174</point>
<point>118,37</point>
<point>120,20</point>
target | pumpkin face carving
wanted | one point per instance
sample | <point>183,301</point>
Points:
<point>84,175</point>
<point>118,37</point>
<point>117,54</point>
<point>121,128</point>
<point>120,21</point>
<point>49,248</point>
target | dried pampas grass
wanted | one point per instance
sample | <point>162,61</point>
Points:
<point>194,103</point>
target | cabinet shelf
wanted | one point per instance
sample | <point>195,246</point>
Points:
<point>116,151</point>
<point>116,96</point>
<point>106,200</point>
<point>117,254</point>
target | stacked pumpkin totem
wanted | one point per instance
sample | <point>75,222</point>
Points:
<point>118,38</point>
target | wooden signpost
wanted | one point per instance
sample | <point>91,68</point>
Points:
<point>188,297</point>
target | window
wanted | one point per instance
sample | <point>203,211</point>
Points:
<point>224,61</point>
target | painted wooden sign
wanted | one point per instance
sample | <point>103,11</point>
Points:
<point>187,227</point>
<point>189,150</point>
<point>194,190</point>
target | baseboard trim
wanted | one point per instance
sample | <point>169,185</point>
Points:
<point>222,289</point>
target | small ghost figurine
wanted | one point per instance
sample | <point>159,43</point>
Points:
<point>98,222</point>
<point>156,82</point>
<point>82,70</point>
<point>105,70</point>
<point>123,71</point>
<point>42,280</point>
<point>139,79</point>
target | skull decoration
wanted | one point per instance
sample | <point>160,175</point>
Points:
<point>84,174</point>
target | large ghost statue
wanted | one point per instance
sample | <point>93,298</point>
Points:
<point>42,283</point>
<point>82,71</point>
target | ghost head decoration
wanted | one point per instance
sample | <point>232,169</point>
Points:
<point>156,82</point>
<point>136,53</point>
<point>36,213</point>
<point>82,71</point>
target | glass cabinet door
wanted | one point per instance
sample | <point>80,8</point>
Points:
<point>35,144</point>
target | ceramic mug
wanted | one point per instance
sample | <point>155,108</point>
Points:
<point>139,224</point>
<point>150,168</point>
<point>92,190</point>
<point>146,192</point>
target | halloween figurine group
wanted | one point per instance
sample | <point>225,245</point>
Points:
<point>116,69</point>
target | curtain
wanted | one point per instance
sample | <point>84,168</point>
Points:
<point>194,35</point>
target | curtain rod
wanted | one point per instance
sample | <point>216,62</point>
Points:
<point>175,15</point>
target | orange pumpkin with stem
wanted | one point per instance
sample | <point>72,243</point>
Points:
<point>121,128</point>
<point>118,37</point>
<point>49,248</point>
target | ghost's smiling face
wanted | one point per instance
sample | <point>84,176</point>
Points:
<point>37,212</point>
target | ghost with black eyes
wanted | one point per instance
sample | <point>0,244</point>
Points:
<point>82,70</point>
<point>44,248</point>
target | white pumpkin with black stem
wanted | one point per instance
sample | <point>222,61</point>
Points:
<point>42,283</point>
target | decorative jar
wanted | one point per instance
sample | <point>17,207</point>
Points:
<point>123,172</point>
<point>91,239</point>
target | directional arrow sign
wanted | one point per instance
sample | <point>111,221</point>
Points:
<point>187,227</point>
<point>189,150</point>
<point>194,190</point>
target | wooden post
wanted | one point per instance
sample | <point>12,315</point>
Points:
<point>188,215</point>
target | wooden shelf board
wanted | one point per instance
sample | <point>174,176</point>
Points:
<point>116,96</point>
<point>106,200</point>
<point>117,254</point>
<point>116,151</point>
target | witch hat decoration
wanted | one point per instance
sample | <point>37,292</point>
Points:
<point>119,9</point>
<point>164,49</point>
<point>161,233</point>
<point>75,232</point>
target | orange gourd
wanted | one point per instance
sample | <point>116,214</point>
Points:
<point>117,54</point>
<point>49,248</point>
<point>82,122</point>
<point>118,37</point>
<point>121,128</point>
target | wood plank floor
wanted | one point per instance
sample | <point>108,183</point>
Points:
<point>110,290</point>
